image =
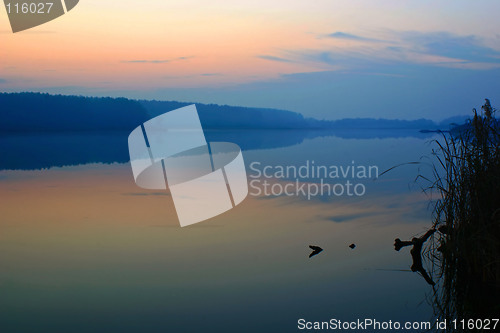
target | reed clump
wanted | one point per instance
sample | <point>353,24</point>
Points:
<point>465,253</point>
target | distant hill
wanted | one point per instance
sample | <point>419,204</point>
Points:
<point>36,112</point>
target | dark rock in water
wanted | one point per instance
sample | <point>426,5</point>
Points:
<point>316,250</point>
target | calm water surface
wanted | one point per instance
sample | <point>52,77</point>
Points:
<point>82,249</point>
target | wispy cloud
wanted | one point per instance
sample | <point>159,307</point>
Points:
<point>347,36</point>
<point>2,81</point>
<point>468,48</point>
<point>437,48</point>
<point>156,61</point>
<point>211,74</point>
<point>341,58</point>
<point>273,58</point>
<point>191,76</point>
<point>146,61</point>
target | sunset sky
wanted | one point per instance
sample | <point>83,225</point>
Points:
<point>323,58</point>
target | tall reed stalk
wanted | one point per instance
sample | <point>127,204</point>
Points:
<point>465,254</point>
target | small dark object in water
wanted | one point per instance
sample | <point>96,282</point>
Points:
<point>416,253</point>
<point>352,246</point>
<point>316,250</point>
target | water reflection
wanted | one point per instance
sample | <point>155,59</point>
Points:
<point>417,244</point>
<point>31,151</point>
<point>82,249</point>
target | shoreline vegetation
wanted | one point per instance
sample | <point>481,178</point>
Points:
<point>39,112</point>
<point>463,247</point>
<point>466,253</point>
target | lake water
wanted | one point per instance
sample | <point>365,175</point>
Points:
<point>83,249</point>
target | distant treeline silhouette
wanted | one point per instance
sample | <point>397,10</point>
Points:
<point>231,117</point>
<point>44,112</point>
<point>26,112</point>
<point>37,112</point>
